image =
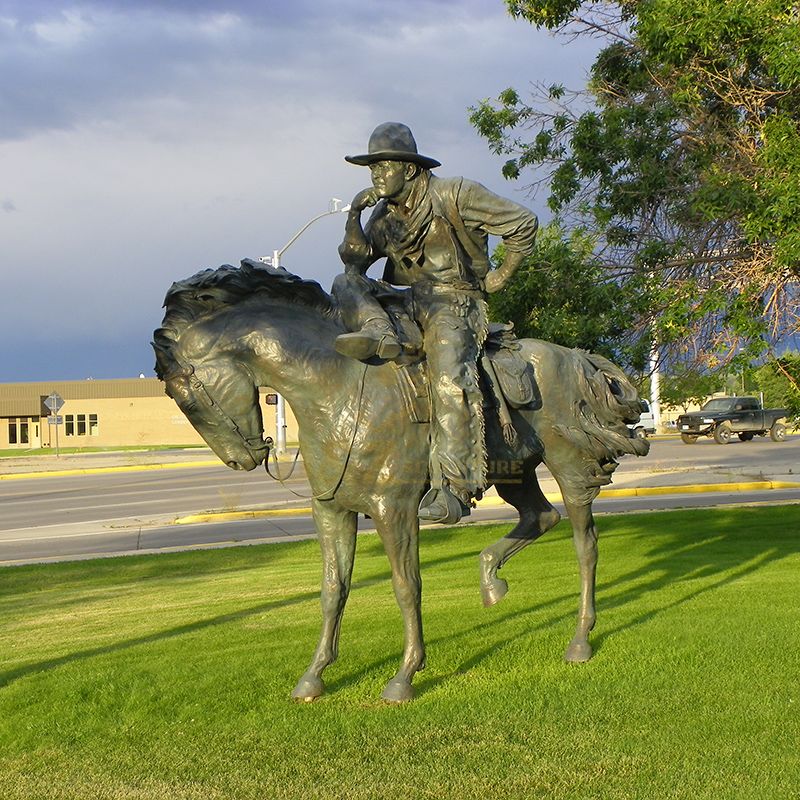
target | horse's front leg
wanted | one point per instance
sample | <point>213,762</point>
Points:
<point>336,530</point>
<point>399,532</point>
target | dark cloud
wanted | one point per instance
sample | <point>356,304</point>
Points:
<point>145,140</point>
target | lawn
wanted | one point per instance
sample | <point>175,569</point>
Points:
<point>168,676</point>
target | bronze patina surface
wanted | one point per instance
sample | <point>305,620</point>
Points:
<point>433,233</point>
<point>230,330</point>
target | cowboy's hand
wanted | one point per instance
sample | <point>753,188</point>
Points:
<point>366,198</point>
<point>495,281</point>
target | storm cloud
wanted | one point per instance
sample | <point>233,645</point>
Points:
<point>141,142</point>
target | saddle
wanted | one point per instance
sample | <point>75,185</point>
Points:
<point>507,380</point>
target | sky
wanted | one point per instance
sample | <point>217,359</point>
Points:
<point>143,141</point>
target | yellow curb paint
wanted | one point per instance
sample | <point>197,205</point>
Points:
<point>492,501</point>
<point>236,516</point>
<point>650,491</point>
<point>66,473</point>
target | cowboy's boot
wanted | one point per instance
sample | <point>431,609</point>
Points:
<point>376,338</point>
<point>441,504</point>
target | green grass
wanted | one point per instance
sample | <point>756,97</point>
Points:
<point>168,676</point>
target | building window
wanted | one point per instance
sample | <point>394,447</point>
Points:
<point>79,425</point>
<point>24,438</point>
<point>12,431</point>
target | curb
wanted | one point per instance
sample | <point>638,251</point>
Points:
<point>494,501</point>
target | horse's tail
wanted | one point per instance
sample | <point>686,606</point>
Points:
<point>604,402</point>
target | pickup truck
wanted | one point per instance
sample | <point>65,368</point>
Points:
<point>646,423</point>
<point>724,416</point>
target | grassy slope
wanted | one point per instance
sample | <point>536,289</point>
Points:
<point>168,676</point>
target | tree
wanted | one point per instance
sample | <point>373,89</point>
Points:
<point>778,380</point>
<point>687,388</point>
<point>562,294</point>
<point>685,168</point>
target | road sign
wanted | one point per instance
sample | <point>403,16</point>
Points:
<point>55,420</point>
<point>54,402</point>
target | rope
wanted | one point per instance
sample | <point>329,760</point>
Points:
<point>328,494</point>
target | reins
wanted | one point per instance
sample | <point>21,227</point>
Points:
<point>328,494</point>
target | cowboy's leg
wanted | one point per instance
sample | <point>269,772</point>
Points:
<point>451,346</point>
<point>372,331</point>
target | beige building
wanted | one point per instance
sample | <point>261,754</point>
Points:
<point>104,413</point>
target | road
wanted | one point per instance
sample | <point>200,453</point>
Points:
<point>58,517</point>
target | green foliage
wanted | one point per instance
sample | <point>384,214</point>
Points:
<point>685,169</point>
<point>561,293</point>
<point>778,379</point>
<point>689,387</point>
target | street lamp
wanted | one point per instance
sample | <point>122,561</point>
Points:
<point>334,207</point>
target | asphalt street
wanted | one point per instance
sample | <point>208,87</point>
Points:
<point>110,504</point>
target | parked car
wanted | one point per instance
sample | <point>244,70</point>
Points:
<point>724,416</point>
<point>646,423</point>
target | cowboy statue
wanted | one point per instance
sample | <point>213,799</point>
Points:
<point>433,233</point>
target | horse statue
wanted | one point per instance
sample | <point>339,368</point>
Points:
<point>230,330</point>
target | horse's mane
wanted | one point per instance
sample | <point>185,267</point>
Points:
<point>211,289</point>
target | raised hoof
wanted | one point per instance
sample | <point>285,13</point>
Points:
<point>578,652</point>
<point>494,591</point>
<point>308,689</point>
<point>398,691</point>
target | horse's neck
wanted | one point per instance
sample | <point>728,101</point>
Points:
<point>290,349</point>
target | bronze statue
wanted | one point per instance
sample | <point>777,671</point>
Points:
<point>365,439</point>
<point>433,233</point>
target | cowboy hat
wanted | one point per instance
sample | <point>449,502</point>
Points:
<point>392,141</point>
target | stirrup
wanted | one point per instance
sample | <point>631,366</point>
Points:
<point>442,506</point>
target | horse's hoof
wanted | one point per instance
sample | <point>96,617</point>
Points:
<point>493,591</point>
<point>578,652</point>
<point>398,691</point>
<point>308,689</point>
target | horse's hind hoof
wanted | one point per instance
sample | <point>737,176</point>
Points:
<point>398,691</point>
<point>493,591</point>
<point>308,689</point>
<point>578,652</point>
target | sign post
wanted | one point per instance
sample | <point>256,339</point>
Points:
<point>54,402</point>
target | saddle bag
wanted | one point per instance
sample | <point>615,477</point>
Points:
<point>514,374</point>
<point>516,379</point>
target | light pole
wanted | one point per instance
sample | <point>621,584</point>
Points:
<point>334,207</point>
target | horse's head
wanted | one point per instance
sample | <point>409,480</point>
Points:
<point>219,396</point>
<point>204,348</point>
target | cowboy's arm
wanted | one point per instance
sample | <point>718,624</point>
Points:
<point>356,250</point>
<point>495,215</point>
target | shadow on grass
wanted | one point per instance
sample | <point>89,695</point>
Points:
<point>382,576</point>
<point>715,547</point>
<point>707,550</point>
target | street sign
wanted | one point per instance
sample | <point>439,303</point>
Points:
<point>54,402</point>
<point>55,420</point>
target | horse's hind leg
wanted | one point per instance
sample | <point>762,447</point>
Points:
<point>584,536</point>
<point>336,530</point>
<point>536,517</point>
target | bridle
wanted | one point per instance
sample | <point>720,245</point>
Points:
<point>186,373</point>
